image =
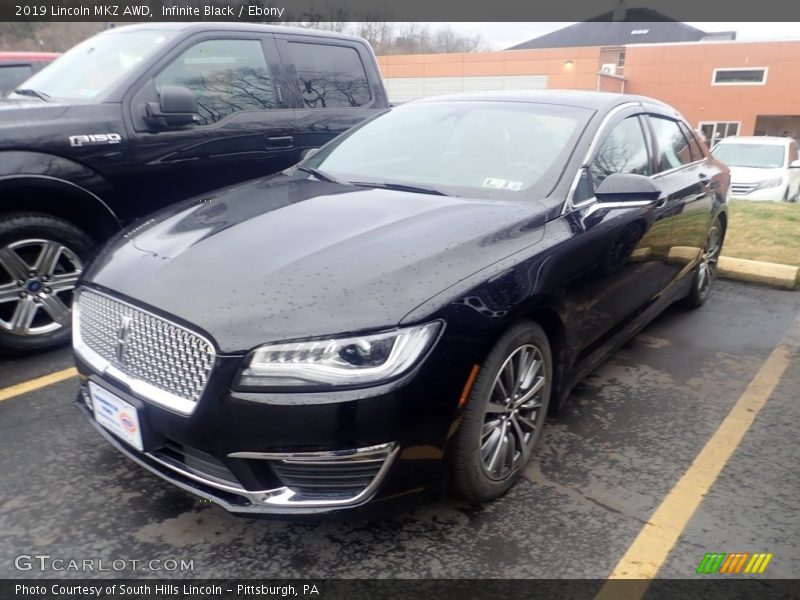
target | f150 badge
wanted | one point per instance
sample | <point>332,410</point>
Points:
<point>94,139</point>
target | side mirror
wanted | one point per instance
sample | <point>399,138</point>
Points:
<point>308,153</point>
<point>795,164</point>
<point>176,106</point>
<point>627,187</point>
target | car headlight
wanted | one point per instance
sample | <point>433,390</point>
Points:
<point>338,362</point>
<point>769,183</point>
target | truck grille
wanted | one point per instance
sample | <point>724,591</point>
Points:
<point>163,361</point>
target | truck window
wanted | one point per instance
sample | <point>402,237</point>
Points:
<point>330,76</point>
<point>12,75</point>
<point>228,76</point>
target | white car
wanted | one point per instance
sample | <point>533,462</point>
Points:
<point>762,167</point>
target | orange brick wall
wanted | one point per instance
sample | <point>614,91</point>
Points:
<point>582,74</point>
<point>679,74</point>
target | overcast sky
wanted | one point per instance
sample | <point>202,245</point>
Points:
<point>503,35</point>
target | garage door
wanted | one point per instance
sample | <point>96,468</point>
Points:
<point>404,89</point>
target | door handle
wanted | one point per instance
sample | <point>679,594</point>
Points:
<point>708,181</point>
<point>281,141</point>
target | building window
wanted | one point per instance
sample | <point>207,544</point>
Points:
<point>620,61</point>
<point>757,76</point>
<point>716,130</point>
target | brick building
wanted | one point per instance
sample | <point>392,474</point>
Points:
<point>722,86</point>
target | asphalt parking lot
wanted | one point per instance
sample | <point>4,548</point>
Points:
<point>607,463</point>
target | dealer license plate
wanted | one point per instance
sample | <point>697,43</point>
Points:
<point>116,415</point>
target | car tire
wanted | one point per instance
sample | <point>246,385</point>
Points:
<point>41,258</point>
<point>483,465</point>
<point>706,272</point>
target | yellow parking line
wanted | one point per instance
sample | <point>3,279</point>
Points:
<point>661,532</point>
<point>35,384</point>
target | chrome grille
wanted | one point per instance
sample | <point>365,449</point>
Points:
<point>145,348</point>
<point>740,189</point>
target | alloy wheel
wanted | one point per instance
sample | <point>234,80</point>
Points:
<point>36,283</point>
<point>509,425</point>
<point>707,270</point>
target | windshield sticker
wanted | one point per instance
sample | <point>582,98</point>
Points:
<point>502,184</point>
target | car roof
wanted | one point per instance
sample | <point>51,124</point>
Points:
<point>191,27</point>
<point>756,139</point>
<point>600,101</point>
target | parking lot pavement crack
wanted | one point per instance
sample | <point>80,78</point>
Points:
<point>534,474</point>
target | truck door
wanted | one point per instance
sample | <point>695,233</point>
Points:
<point>244,129</point>
<point>335,85</point>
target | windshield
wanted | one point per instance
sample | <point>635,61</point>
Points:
<point>92,67</point>
<point>759,156</point>
<point>501,150</point>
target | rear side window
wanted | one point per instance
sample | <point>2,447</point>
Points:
<point>673,149</point>
<point>792,152</point>
<point>694,146</point>
<point>623,151</point>
<point>330,76</point>
<point>12,76</point>
<point>228,76</point>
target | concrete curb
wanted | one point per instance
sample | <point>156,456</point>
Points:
<point>754,271</point>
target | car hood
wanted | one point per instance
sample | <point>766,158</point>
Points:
<point>286,258</point>
<point>753,175</point>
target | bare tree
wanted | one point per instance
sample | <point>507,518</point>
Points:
<point>48,37</point>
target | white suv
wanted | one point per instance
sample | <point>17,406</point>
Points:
<point>762,167</point>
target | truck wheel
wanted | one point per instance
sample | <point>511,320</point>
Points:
<point>41,259</point>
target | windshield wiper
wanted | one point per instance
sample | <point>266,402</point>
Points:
<point>320,175</point>
<point>400,187</point>
<point>35,93</point>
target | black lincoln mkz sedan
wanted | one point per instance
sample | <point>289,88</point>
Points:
<point>398,311</point>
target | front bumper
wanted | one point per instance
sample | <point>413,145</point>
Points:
<point>295,453</point>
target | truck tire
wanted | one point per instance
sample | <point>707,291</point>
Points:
<point>41,259</point>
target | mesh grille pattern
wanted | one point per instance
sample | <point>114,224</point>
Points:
<point>343,476</point>
<point>155,351</point>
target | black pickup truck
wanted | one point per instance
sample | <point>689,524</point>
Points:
<point>142,116</point>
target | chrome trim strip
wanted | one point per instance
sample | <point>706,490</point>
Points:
<point>613,205</point>
<point>285,497</point>
<point>141,388</point>
<point>305,457</point>
<point>177,467</point>
<point>695,163</point>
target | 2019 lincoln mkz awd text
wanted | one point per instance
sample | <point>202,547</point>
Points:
<point>398,311</point>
